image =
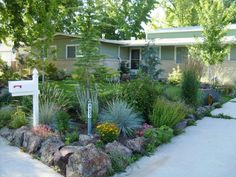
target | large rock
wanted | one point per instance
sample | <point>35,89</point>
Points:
<point>7,133</point>
<point>31,142</point>
<point>117,147</point>
<point>136,144</point>
<point>86,139</point>
<point>61,157</point>
<point>210,92</point>
<point>88,161</point>
<point>48,149</point>
<point>181,125</point>
<point>18,136</point>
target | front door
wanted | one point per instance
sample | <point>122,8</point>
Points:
<point>134,60</point>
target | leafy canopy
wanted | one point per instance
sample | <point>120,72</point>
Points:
<point>214,18</point>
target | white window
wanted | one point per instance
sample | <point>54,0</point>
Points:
<point>181,54</point>
<point>72,51</point>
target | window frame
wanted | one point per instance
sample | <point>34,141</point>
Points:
<point>72,45</point>
<point>160,53</point>
<point>175,52</point>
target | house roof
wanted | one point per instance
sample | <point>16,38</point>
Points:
<point>162,41</point>
<point>184,29</point>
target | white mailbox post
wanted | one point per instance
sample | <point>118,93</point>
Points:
<point>29,87</point>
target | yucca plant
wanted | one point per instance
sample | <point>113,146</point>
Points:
<point>47,112</point>
<point>123,115</point>
<point>52,93</point>
<point>83,98</point>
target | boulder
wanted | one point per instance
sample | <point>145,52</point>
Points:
<point>181,125</point>
<point>88,161</point>
<point>136,144</point>
<point>48,148</point>
<point>7,133</point>
<point>201,110</point>
<point>61,157</point>
<point>191,117</point>
<point>31,142</point>
<point>18,136</point>
<point>117,147</point>
<point>86,139</point>
<point>210,92</point>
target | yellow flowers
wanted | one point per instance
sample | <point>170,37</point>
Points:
<point>108,132</point>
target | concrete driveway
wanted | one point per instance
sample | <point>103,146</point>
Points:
<point>205,150</point>
<point>14,163</point>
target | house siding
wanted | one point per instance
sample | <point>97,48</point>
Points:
<point>61,42</point>
<point>187,34</point>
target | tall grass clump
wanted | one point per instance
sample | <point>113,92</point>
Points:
<point>167,113</point>
<point>53,94</point>
<point>192,73</point>
<point>123,115</point>
<point>47,112</point>
<point>83,98</point>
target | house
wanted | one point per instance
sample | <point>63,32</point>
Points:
<point>172,45</point>
<point>7,54</point>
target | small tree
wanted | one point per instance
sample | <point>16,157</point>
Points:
<point>214,19</point>
<point>88,53</point>
<point>150,61</point>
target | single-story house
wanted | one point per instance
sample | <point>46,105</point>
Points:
<point>171,43</point>
<point>6,53</point>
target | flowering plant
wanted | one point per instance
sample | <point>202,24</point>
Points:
<point>108,132</point>
<point>142,130</point>
<point>43,130</point>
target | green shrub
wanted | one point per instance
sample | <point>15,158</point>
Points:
<point>108,132</point>
<point>18,119</point>
<point>108,92</point>
<point>123,115</point>
<point>175,76</point>
<point>5,116</point>
<point>71,137</point>
<point>62,121</point>
<point>119,162</point>
<point>51,93</point>
<point>191,82</point>
<point>5,96</point>
<point>165,134</point>
<point>47,112</point>
<point>167,113</point>
<point>83,98</point>
<point>153,141</point>
<point>141,94</point>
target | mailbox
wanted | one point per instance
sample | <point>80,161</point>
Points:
<point>21,88</point>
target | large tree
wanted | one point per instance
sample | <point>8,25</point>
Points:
<point>180,12</point>
<point>26,21</point>
<point>123,19</point>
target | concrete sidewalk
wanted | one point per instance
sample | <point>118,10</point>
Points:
<point>205,150</point>
<point>14,163</point>
<point>228,108</point>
